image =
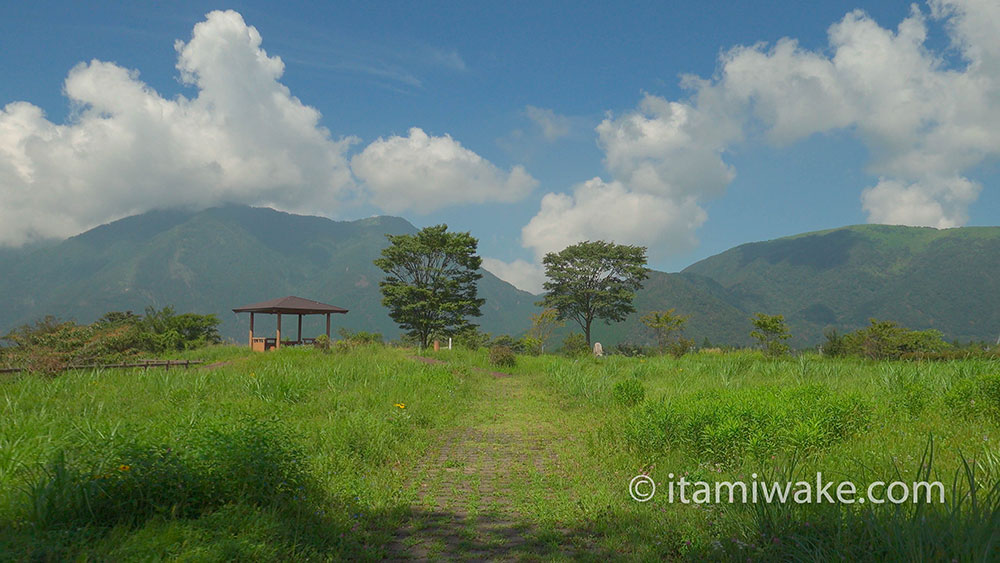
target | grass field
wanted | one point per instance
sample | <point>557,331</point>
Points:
<point>370,454</point>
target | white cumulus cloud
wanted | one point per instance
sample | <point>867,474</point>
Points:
<point>599,210</point>
<point>244,138</point>
<point>924,122</point>
<point>423,173</point>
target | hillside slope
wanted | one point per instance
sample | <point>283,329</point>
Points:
<point>947,279</point>
<point>217,259</point>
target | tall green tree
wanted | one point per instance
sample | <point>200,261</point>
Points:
<point>430,282</point>
<point>594,280</point>
<point>771,331</point>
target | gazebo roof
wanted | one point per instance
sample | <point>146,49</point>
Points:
<point>291,305</point>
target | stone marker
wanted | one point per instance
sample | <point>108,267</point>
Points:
<point>598,350</point>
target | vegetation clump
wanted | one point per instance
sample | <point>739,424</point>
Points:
<point>771,331</point>
<point>502,356</point>
<point>50,345</point>
<point>575,345</point>
<point>886,340</point>
<point>629,392</point>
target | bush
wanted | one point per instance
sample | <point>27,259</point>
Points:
<point>575,345</point>
<point>631,350</point>
<point>679,347</point>
<point>322,342</point>
<point>50,345</point>
<point>502,356</point>
<point>886,340</point>
<point>530,345</point>
<point>471,338</point>
<point>629,392</point>
<point>507,341</point>
<point>360,337</point>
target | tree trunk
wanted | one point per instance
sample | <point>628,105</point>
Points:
<point>586,333</point>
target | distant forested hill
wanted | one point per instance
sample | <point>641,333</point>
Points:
<point>217,259</point>
<point>213,260</point>
<point>946,279</point>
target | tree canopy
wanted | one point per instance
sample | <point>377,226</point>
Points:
<point>430,285</point>
<point>594,280</point>
<point>771,331</point>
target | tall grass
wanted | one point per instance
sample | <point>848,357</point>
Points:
<point>301,451</point>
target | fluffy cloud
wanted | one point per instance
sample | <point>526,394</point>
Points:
<point>940,204</point>
<point>243,139</point>
<point>598,210</point>
<point>553,125</point>
<point>664,157</point>
<point>667,149</point>
<point>923,123</point>
<point>424,173</point>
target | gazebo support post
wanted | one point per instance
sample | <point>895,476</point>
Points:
<point>328,325</point>
<point>299,337</point>
<point>251,330</point>
<point>277,341</point>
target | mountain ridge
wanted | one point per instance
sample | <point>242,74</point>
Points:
<point>212,260</point>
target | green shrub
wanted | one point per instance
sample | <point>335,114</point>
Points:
<point>575,345</point>
<point>322,342</point>
<point>629,392</point>
<point>631,350</point>
<point>360,337</point>
<point>502,356</point>
<point>471,338</point>
<point>886,340</point>
<point>530,345</point>
<point>50,345</point>
<point>680,346</point>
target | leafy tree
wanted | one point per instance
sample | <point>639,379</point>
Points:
<point>594,280</point>
<point>887,340</point>
<point>543,324</point>
<point>166,330</point>
<point>771,331</point>
<point>665,325</point>
<point>430,283</point>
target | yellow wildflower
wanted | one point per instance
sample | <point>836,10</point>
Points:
<point>400,405</point>
<point>124,467</point>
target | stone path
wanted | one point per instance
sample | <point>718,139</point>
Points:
<point>473,488</point>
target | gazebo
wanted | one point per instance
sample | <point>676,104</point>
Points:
<point>290,305</point>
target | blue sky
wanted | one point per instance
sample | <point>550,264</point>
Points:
<point>532,125</point>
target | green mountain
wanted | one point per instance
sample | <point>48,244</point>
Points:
<point>217,259</point>
<point>213,260</point>
<point>921,277</point>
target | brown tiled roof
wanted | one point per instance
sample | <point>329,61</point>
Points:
<point>291,305</point>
